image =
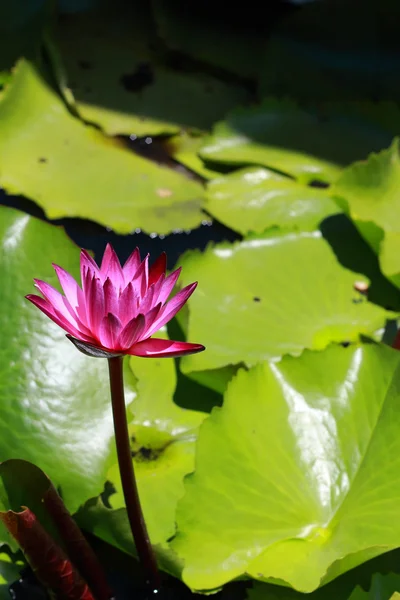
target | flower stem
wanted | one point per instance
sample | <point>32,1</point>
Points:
<point>128,479</point>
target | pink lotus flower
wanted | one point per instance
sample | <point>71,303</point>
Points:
<point>118,309</point>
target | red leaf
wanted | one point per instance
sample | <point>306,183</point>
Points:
<point>51,565</point>
<point>44,527</point>
<point>76,544</point>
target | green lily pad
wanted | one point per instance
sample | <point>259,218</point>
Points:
<point>55,405</point>
<point>380,588</point>
<point>49,390</point>
<point>272,295</point>
<point>296,476</point>
<point>112,526</point>
<point>184,148</point>
<point>36,518</point>
<point>366,576</point>
<point>126,88</point>
<point>255,199</point>
<point>25,489</point>
<point>383,587</point>
<point>267,591</point>
<point>354,253</point>
<point>279,135</point>
<point>10,567</point>
<point>163,436</point>
<point>369,192</point>
<point>71,169</point>
<point>215,379</point>
<point>154,407</point>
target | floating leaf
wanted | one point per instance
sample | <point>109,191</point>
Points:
<point>383,587</point>
<point>71,169</point>
<point>367,575</point>
<point>112,526</point>
<point>161,462</point>
<point>281,136</point>
<point>54,401</point>
<point>255,199</point>
<point>184,148</point>
<point>354,253</point>
<point>336,590</point>
<point>50,389</point>
<point>10,567</point>
<point>154,406</point>
<point>369,190</point>
<point>215,379</point>
<point>296,476</point>
<point>124,87</point>
<point>272,295</point>
<point>35,516</point>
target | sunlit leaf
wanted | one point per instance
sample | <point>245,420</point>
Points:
<point>279,135</point>
<point>296,475</point>
<point>272,295</point>
<point>54,401</point>
<point>71,169</point>
<point>255,199</point>
<point>369,190</point>
<point>184,148</point>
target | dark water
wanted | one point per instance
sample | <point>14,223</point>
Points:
<point>90,235</point>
